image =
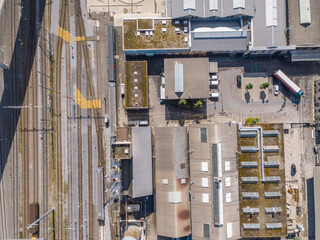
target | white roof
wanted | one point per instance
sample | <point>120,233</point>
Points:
<point>178,78</point>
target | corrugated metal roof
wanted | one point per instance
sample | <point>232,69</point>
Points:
<point>213,5</point>
<point>305,55</point>
<point>178,78</point>
<point>270,210</point>
<point>172,164</point>
<point>251,226</point>
<point>239,4</point>
<point>251,164</point>
<point>271,13</point>
<point>217,190</point>
<point>189,4</point>
<point>271,164</point>
<point>270,133</point>
<point>305,12</point>
<point>249,210</point>
<point>250,195</point>
<point>273,225</point>
<point>221,34</point>
<point>271,149</point>
<point>247,149</point>
<point>272,194</point>
<point>248,134</point>
<point>271,179</point>
<point>249,179</point>
<point>142,162</point>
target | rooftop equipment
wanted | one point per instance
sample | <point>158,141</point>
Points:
<point>250,195</point>
<point>272,226</point>
<point>251,226</point>
<point>250,164</point>
<point>249,179</point>
<point>272,194</point>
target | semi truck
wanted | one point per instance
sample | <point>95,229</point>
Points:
<point>288,83</point>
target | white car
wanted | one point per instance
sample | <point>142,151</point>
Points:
<point>276,89</point>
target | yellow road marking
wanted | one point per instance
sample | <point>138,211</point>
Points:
<point>65,35</point>
<point>80,39</point>
<point>86,104</point>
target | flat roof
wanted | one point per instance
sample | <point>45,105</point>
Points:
<point>159,36</point>
<point>269,189</point>
<point>222,40</point>
<point>195,78</point>
<point>304,35</point>
<point>264,35</point>
<point>209,8</point>
<point>316,192</point>
<point>136,85</point>
<point>203,140</point>
<point>142,162</point>
<point>172,182</point>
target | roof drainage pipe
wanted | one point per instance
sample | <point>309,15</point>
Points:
<point>259,141</point>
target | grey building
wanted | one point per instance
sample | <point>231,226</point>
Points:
<point>172,182</point>
<point>214,181</point>
<point>316,184</point>
<point>186,78</point>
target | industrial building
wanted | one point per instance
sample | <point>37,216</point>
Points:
<point>214,181</point>
<point>172,182</point>
<point>262,181</point>
<point>186,78</point>
<point>136,85</point>
<point>316,192</point>
<point>238,26</point>
<point>134,149</point>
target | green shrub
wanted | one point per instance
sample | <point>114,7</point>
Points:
<point>264,85</point>
<point>182,102</point>
<point>198,104</point>
<point>252,120</point>
<point>249,86</point>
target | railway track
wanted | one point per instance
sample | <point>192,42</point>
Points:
<point>57,157</point>
<point>95,113</point>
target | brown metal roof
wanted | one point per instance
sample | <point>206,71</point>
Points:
<point>172,182</point>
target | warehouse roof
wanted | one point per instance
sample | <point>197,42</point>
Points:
<point>186,78</point>
<point>214,191</point>
<point>172,182</point>
<point>142,162</point>
<point>210,8</point>
<point>316,185</point>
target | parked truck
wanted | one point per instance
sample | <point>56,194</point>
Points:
<point>288,82</point>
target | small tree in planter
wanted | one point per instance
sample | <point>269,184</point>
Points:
<point>182,102</point>
<point>198,104</point>
<point>264,85</point>
<point>249,86</point>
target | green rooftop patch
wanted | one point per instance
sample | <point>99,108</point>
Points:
<point>136,85</point>
<point>145,24</point>
<point>163,35</point>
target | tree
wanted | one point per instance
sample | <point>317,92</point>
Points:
<point>249,86</point>
<point>182,102</point>
<point>264,85</point>
<point>198,104</point>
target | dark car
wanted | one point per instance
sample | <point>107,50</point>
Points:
<point>293,170</point>
<point>239,81</point>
